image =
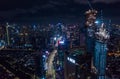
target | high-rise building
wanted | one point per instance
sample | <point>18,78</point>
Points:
<point>73,35</point>
<point>100,54</point>
<point>90,29</point>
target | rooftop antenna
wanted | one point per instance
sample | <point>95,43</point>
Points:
<point>110,22</point>
<point>101,16</point>
<point>109,25</point>
<point>89,4</point>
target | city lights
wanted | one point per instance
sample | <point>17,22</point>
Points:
<point>61,42</point>
<point>102,33</point>
<point>2,44</point>
<point>97,21</point>
<point>55,38</point>
<point>71,60</point>
<point>44,56</point>
<point>90,17</point>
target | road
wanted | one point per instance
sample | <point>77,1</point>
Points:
<point>50,71</point>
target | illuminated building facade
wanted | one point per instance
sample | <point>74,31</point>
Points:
<point>90,29</point>
<point>77,64</point>
<point>73,35</point>
<point>100,53</point>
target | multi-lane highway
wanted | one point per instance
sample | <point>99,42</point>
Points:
<point>50,71</point>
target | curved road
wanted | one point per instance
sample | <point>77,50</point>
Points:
<point>50,71</point>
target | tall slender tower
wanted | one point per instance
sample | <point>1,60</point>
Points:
<point>90,29</point>
<point>100,53</point>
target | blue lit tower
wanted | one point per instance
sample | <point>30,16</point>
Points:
<point>100,53</point>
<point>90,30</point>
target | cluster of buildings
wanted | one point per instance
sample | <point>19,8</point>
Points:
<point>37,36</point>
<point>82,50</point>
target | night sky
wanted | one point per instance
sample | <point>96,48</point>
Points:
<point>17,9</point>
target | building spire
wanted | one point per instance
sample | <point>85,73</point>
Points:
<point>101,16</point>
<point>89,4</point>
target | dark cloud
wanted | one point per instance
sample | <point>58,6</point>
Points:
<point>80,1</point>
<point>96,1</point>
<point>47,6</point>
<point>57,2</point>
<point>13,8</point>
<point>11,13</point>
<point>106,1</point>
